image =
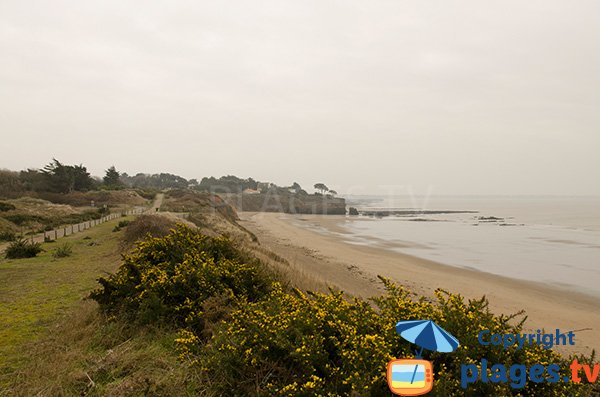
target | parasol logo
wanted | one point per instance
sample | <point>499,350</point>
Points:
<point>414,376</point>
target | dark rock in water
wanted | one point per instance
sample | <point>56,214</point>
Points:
<point>352,211</point>
<point>489,219</point>
<point>382,213</point>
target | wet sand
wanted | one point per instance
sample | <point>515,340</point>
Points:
<point>354,268</point>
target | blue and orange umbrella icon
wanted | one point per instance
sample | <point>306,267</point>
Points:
<point>427,335</point>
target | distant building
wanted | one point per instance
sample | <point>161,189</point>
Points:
<point>251,191</point>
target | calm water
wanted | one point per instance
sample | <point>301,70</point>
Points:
<point>549,240</point>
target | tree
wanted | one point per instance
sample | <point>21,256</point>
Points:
<point>321,187</point>
<point>112,178</point>
<point>332,192</point>
<point>35,180</point>
<point>11,184</point>
<point>296,187</point>
<point>227,184</point>
<point>61,178</point>
<point>156,181</point>
<point>82,180</point>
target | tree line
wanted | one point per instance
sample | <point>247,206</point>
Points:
<point>58,177</point>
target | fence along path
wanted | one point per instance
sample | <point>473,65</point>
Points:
<point>68,230</point>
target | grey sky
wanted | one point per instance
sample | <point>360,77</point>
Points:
<point>462,97</point>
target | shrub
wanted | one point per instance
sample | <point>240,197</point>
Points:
<point>297,345</point>
<point>324,344</point>
<point>120,225</point>
<point>77,218</point>
<point>148,194</point>
<point>293,344</point>
<point>63,251</point>
<point>144,225</point>
<point>6,206</point>
<point>169,278</point>
<point>7,236</point>
<point>22,248</point>
<point>21,219</point>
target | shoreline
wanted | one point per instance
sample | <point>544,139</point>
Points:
<point>354,268</point>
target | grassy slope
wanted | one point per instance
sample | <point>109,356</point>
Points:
<point>35,292</point>
<point>52,342</point>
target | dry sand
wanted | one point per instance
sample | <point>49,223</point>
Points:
<point>354,268</point>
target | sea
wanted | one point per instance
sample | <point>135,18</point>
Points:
<point>552,240</point>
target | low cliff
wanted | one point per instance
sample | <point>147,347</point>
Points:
<point>288,203</point>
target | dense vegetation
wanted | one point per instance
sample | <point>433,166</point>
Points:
<point>227,184</point>
<point>170,278</point>
<point>59,178</point>
<point>249,335</point>
<point>22,248</point>
<point>55,177</point>
<point>156,181</point>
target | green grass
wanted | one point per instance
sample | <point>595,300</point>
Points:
<point>35,292</point>
<point>87,354</point>
<point>53,342</point>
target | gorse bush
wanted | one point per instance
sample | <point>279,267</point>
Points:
<point>22,248</point>
<point>277,342</point>
<point>325,344</point>
<point>296,344</point>
<point>171,277</point>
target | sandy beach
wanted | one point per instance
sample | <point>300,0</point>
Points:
<point>354,268</point>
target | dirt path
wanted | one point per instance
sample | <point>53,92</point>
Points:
<point>158,199</point>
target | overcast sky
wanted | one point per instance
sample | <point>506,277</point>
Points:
<point>454,97</point>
